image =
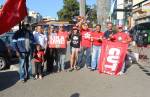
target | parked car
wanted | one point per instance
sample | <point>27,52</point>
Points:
<point>7,38</point>
<point>4,55</point>
<point>7,51</point>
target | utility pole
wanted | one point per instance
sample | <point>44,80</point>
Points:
<point>82,7</point>
<point>103,9</point>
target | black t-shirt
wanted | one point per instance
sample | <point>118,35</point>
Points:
<point>75,40</point>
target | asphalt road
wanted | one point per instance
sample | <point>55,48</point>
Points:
<point>83,83</point>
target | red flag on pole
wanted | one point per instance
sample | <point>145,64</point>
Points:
<point>13,12</point>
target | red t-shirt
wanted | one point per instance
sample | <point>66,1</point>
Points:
<point>65,34</point>
<point>39,59</point>
<point>86,38</point>
<point>121,37</point>
<point>96,38</point>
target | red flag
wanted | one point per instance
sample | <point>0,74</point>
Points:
<point>11,14</point>
<point>112,57</point>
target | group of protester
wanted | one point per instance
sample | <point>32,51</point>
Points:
<point>33,48</point>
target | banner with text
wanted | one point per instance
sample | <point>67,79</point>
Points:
<point>112,57</point>
<point>57,41</point>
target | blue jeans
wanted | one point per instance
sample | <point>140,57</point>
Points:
<point>95,56</point>
<point>88,56</point>
<point>61,62</point>
<point>25,66</point>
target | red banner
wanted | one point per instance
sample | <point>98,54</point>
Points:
<point>11,14</point>
<point>57,41</point>
<point>112,57</point>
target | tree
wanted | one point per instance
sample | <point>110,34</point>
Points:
<point>69,10</point>
<point>91,14</point>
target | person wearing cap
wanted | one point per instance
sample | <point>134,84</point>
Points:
<point>96,39</point>
<point>75,39</point>
<point>123,37</point>
<point>85,45</point>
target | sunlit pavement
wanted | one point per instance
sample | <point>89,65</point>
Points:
<point>83,83</point>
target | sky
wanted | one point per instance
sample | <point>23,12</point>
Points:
<point>47,7</point>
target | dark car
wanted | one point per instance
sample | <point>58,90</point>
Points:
<point>7,51</point>
<point>4,55</point>
<point>7,38</point>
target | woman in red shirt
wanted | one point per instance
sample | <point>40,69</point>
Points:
<point>97,43</point>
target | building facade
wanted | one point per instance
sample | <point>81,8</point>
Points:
<point>33,17</point>
<point>141,11</point>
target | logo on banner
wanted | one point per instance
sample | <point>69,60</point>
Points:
<point>57,42</point>
<point>113,58</point>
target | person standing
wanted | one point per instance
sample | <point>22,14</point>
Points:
<point>41,38</point>
<point>96,38</point>
<point>85,45</point>
<point>75,39</point>
<point>62,51</point>
<point>51,53</point>
<point>122,37</point>
<point>109,32</point>
<point>38,60</point>
<point>23,41</point>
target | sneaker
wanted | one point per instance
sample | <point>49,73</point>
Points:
<point>36,76</point>
<point>120,73</point>
<point>92,69</point>
<point>71,69</point>
<point>40,77</point>
<point>22,81</point>
<point>58,71</point>
<point>88,67</point>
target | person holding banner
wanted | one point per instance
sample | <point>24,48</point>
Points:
<point>62,51</point>
<point>51,52</point>
<point>96,39</point>
<point>75,39</point>
<point>122,37</point>
<point>109,32</point>
<point>85,45</point>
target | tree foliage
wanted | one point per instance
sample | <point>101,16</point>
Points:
<point>69,10</point>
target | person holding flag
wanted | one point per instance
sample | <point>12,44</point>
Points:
<point>122,37</point>
<point>96,38</point>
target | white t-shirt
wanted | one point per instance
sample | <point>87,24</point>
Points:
<point>41,39</point>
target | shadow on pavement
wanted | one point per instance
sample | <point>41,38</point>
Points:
<point>8,79</point>
<point>147,72</point>
<point>75,95</point>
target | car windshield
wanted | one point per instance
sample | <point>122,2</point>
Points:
<point>7,37</point>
